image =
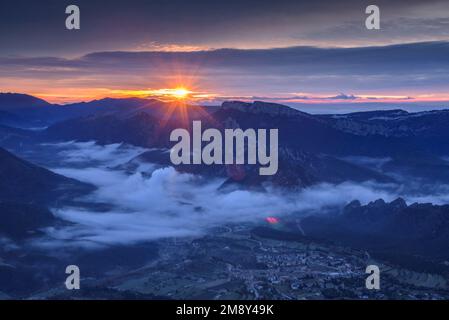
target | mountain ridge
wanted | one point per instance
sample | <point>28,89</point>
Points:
<point>15,101</point>
<point>25,182</point>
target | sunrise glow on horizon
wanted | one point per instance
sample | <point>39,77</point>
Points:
<point>75,95</point>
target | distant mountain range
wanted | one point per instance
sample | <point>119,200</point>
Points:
<point>320,139</point>
<point>312,147</point>
<point>395,227</point>
<point>21,110</point>
<point>374,133</point>
<point>426,130</point>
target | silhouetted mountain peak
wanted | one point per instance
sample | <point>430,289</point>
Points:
<point>23,181</point>
<point>14,101</point>
<point>353,204</point>
<point>260,107</point>
<point>399,203</point>
<point>377,203</point>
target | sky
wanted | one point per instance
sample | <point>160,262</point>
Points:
<point>311,54</point>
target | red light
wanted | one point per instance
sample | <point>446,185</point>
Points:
<point>272,220</point>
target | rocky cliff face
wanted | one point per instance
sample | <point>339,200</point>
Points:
<point>392,123</point>
<point>259,107</point>
<point>417,229</point>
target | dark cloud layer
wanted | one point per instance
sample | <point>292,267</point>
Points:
<point>404,58</point>
<point>37,27</point>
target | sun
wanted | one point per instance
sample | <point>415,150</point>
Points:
<point>180,93</point>
<point>165,94</point>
